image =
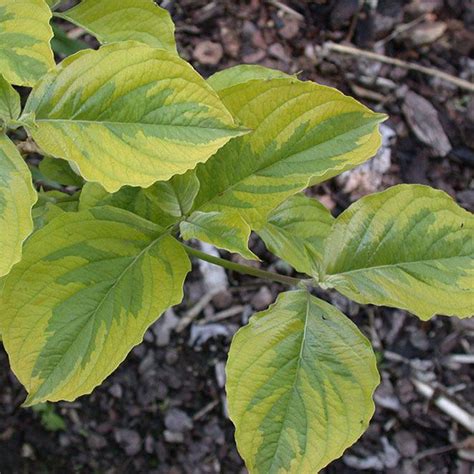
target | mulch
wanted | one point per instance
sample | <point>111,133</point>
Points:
<point>163,411</point>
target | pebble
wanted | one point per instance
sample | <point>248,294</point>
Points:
<point>262,299</point>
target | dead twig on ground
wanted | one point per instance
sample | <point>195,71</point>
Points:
<point>353,51</point>
<point>460,415</point>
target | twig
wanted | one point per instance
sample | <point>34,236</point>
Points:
<point>221,315</point>
<point>458,414</point>
<point>194,312</point>
<point>204,411</point>
<point>351,50</point>
<point>286,9</point>
<point>402,29</point>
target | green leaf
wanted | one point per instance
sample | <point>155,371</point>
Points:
<point>409,247</point>
<point>88,287</point>
<point>9,101</point>
<point>162,203</point>
<point>295,232</point>
<point>128,114</point>
<point>63,45</point>
<point>139,20</point>
<point>223,230</point>
<point>241,74</point>
<point>302,133</point>
<point>25,33</point>
<point>300,379</point>
<point>60,171</point>
<point>17,197</point>
<point>176,196</point>
<point>52,204</point>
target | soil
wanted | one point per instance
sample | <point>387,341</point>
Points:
<point>163,411</point>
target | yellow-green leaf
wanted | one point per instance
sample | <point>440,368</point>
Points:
<point>17,197</point>
<point>25,33</point>
<point>111,20</point>
<point>300,379</point>
<point>88,287</point>
<point>176,196</point>
<point>243,73</point>
<point>295,232</point>
<point>409,247</point>
<point>52,204</point>
<point>128,114</point>
<point>223,230</point>
<point>162,203</point>
<point>9,101</point>
<point>302,133</point>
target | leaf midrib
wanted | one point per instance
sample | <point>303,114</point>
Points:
<point>93,314</point>
<point>270,165</point>
<point>391,265</point>
<point>110,123</point>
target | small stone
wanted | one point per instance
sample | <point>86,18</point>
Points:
<point>223,299</point>
<point>290,28</point>
<point>208,52</point>
<point>177,420</point>
<point>262,299</point>
<point>149,444</point>
<point>426,33</point>
<point>116,390</point>
<point>27,451</point>
<point>425,124</point>
<point>171,356</point>
<point>129,440</point>
<point>173,437</point>
<point>96,441</point>
<point>406,443</point>
<point>278,51</point>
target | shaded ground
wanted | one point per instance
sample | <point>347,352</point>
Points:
<point>163,410</point>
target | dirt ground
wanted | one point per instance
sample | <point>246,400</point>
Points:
<point>163,411</point>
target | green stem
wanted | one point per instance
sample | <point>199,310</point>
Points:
<point>247,269</point>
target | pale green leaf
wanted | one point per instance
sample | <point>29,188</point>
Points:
<point>128,114</point>
<point>17,197</point>
<point>302,133</point>
<point>409,247</point>
<point>25,33</point>
<point>9,101</point>
<point>300,379</point>
<point>111,20</point>
<point>60,171</point>
<point>295,232</point>
<point>241,74</point>
<point>162,203</point>
<point>176,196</point>
<point>88,287</point>
<point>223,230</point>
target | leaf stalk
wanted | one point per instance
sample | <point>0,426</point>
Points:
<point>248,270</point>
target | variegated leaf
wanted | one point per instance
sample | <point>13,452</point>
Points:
<point>88,287</point>
<point>129,128</point>
<point>300,379</point>
<point>25,33</point>
<point>17,197</point>
<point>409,247</point>
<point>302,133</point>
<point>295,231</point>
<point>163,203</point>
<point>9,102</point>
<point>111,20</point>
<point>241,74</point>
<point>229,232</point>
